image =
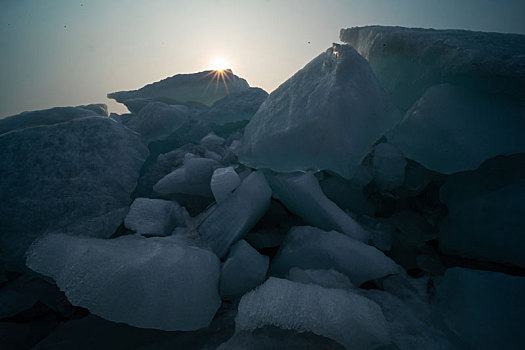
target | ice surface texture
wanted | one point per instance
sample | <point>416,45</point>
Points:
<point>484,308</point>
<point>311,248</point>
<point>74,177</point>
<point>185,88</point>
<point>407,61</point>
<point>243,270</point>
<point>145,282</point>
<point>352,320</point>
<point>303,196</point>
<point>327,116</point>
<point>237,215</point>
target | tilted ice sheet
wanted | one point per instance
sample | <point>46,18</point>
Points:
<point>326,116</point>
<point>350,319</point>
<point>407,61</point>
<point>311,248</point>
<point>236,215</point>
<point>451,129</point>
<point>74,177</point>
<point>145,282</point>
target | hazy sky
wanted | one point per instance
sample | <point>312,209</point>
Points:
<point>64,52</point>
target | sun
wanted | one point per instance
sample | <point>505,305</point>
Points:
<point>220,64</point>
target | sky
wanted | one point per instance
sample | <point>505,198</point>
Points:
<point>68,52</point>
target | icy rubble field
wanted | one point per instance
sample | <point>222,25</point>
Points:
<point>373,201</point>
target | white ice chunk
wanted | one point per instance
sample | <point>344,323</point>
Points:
<point>326,278</point>
<point>223,182</point>
<point>303,196</point>
<point>451,129</point>
<point>350,319</point>
<point>145,282</point>
<point>389,166</point>
<point>327,116</point>
<point>74,177</point>
<point>484,308</point>
<point>311,248</point>
<point>154,217</point>
<point>243,270</point>
<point>237,215</point>
<point>158,120</point>
<point>192,178</point>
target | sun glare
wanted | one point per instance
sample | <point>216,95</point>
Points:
<point>220,64</point>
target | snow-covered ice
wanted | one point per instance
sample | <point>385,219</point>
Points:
<point>407,61</point>
<point>350,319</point>
<point>156,283</point>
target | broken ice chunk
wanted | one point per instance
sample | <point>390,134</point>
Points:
<point>154,217</point>
<point>238,214</point>
<point>302,195</point>
<point>327,116</point>
<point>243,270</point>
<point>223,182</point>
<point>484,308</point>
<point>158,120</point>
<point>155,282</point>
<point>311,248</point>
<point>350,319</point>
<point>192,178</point>
<point>389,166</point>
<point>75,176</point>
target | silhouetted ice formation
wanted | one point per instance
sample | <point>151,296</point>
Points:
<point>375,200</point>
